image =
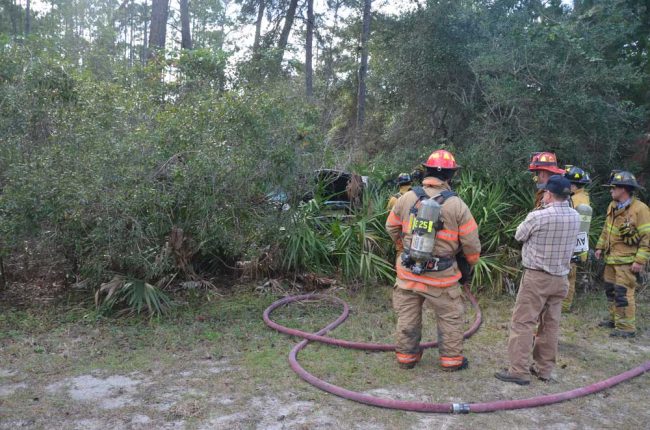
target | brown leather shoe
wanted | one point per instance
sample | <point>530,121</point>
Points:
<point>535,373</point>
<point>505,376</point>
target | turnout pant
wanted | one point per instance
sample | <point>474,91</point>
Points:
<point>447,304</point>
<point>620,285</point>
<point>539,301</point>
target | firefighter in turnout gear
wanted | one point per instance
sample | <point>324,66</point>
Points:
<point>404,182</point>
<point>435,225</point>
<point>625,245</point>
<point>579,196</point>
<point>543,165</point>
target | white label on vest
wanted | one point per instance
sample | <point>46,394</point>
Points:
<point>582,244</point>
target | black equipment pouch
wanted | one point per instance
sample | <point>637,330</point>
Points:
<point>436,264</point>
<point>465,269</point>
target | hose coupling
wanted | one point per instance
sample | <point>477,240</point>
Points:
<point>460,408</point>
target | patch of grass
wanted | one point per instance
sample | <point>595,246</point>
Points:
<point>231,334</point>
<point>121,361</point>
<point>21,321</point>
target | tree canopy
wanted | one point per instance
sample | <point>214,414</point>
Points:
<point>121,120</point>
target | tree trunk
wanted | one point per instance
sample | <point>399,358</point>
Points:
<point>3,277</point>
<point>158,28</point>
<point>286,29</point>
<point>309,72</point>
<point>131,34</point>
<point>328,72</point>
<point>144,55</point>
<point>186,36</point>
<point>363,69</point>
<point>257,54</point>
<point>27,18</point>
<point>14,19</point>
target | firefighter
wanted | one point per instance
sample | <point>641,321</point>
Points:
<point>404,182</point>
<point>625,245</point>
<point>579,196</point>
<point>543,165</point>
<point>434,279</point>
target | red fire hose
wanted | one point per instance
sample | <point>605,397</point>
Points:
<point>501,405</point>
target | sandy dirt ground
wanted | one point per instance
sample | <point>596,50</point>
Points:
<point>226,370</point>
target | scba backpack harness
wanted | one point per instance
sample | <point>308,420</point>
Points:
<point>424,223</point>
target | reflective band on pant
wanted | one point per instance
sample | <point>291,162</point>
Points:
<point>451,361</point>
<point>408,358</point>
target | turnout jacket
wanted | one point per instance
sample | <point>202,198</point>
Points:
<point>580,197</point>
<point>403,189</point>
<point>626,236</point>
<point>459,231</point>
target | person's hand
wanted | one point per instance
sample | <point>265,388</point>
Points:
<point>637,268</point>
<point>598,253</point>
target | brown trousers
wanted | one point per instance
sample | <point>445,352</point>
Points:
<point>539,301</point>
<point>448,306</point>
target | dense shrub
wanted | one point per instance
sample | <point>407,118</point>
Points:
<point>119,171</point>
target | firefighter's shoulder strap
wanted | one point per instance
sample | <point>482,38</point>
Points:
<point>421,195</point>
<point>419,192</point>
<point>442,197</point>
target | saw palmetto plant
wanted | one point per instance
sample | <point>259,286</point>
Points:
<point>131,296</point>
<point>497,215</point>
<point>351,242</point>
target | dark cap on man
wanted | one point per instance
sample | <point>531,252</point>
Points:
<point>558,185</point>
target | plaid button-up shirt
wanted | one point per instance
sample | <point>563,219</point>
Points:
<point>549,236</point>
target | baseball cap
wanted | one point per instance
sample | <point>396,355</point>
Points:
<point>558,184</point>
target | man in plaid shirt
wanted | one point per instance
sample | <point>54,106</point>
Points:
<point>549,235</point>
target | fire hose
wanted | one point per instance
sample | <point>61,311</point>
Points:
<point>415,406</point>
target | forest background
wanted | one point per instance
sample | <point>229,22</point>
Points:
<point>142,144</point>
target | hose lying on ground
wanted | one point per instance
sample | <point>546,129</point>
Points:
<point>500,405</point>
